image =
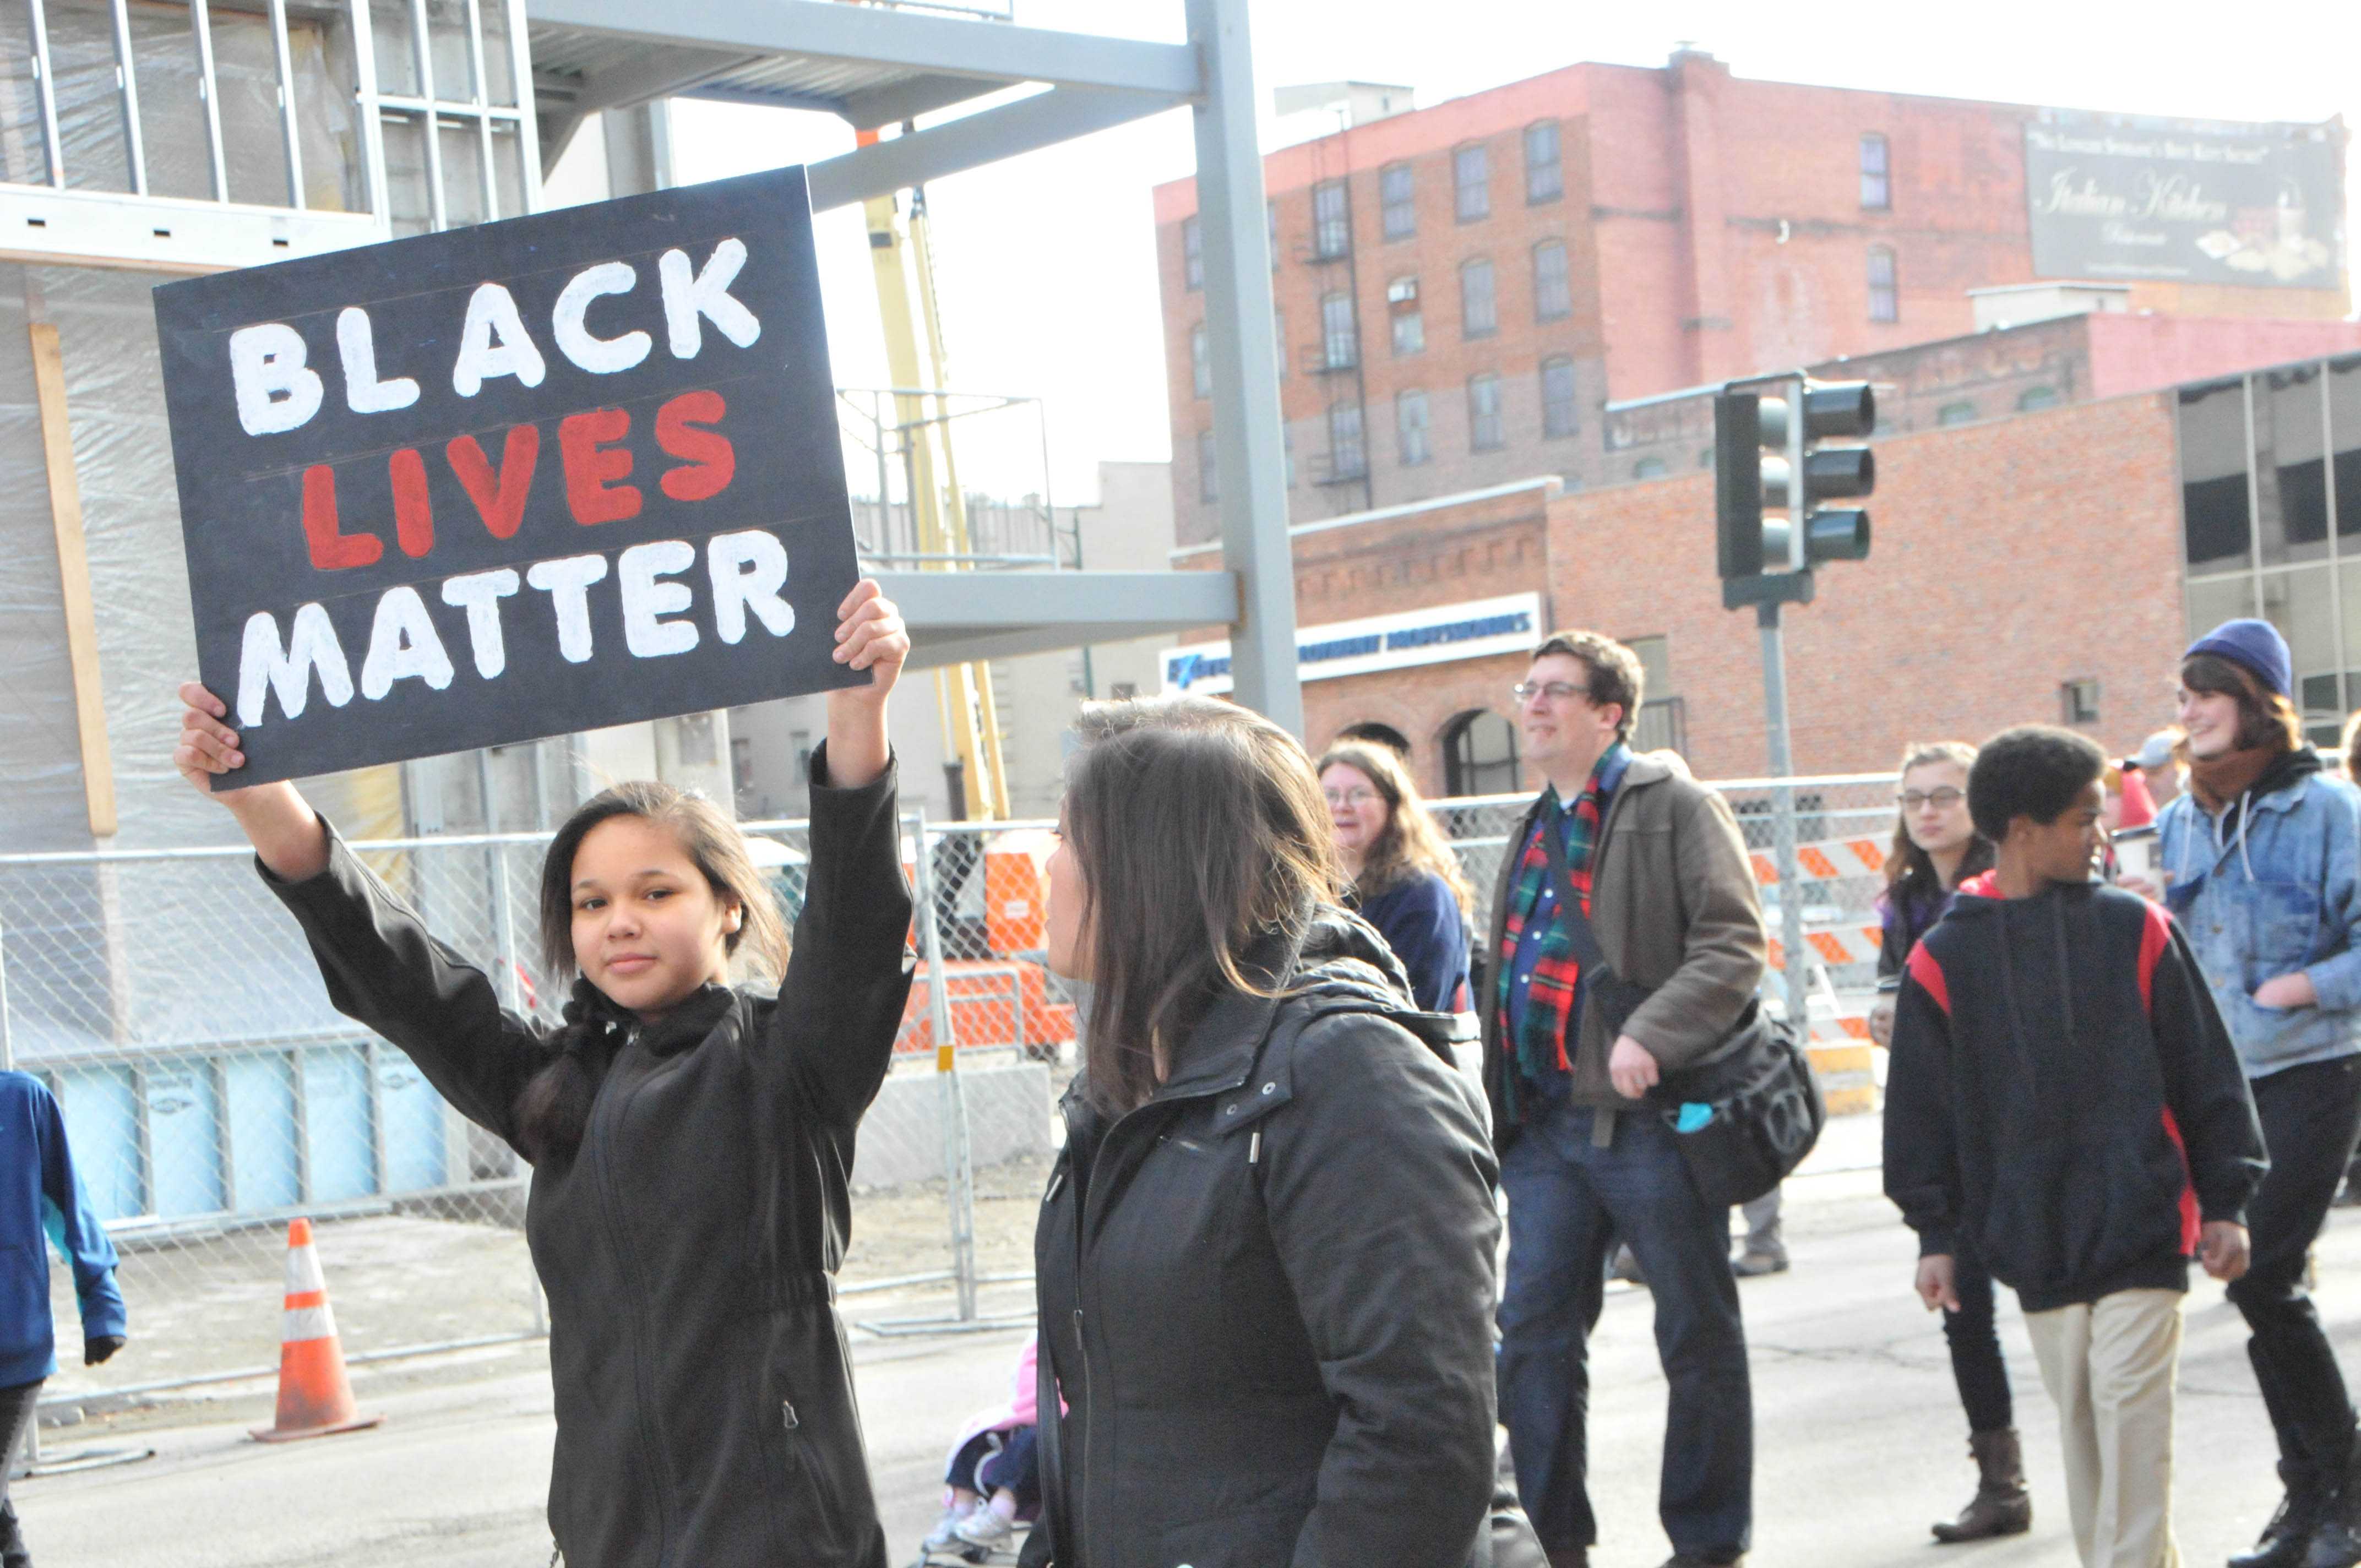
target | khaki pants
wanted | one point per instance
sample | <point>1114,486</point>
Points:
<point>2110,1368</point>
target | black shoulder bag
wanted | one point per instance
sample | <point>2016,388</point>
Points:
<point>1765,1105</point>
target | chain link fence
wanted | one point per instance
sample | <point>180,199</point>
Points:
<point>210,1093</point>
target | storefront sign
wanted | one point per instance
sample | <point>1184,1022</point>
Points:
<point>2257,206</point>
<point>1474,630</point>
<point>511,480</point>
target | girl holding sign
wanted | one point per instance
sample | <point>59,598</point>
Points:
<point>690,1142</point>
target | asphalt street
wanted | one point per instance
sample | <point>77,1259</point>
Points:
<point>1859,1436</point>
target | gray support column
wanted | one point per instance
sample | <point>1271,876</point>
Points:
<point>1250,458</point>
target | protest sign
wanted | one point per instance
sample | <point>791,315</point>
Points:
<point>517,479</point>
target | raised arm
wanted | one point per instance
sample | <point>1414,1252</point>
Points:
<point>840,1001</point>
<point>382,967</point>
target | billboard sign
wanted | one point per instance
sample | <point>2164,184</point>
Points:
<point>2257,206</point>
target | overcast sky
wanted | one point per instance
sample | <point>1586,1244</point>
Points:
<point>1047,263</point>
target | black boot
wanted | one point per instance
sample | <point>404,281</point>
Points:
<point>2286,1541</point>
<point>2336,1538</point>
<point>2000,1506</point>
<point>12,1545</point>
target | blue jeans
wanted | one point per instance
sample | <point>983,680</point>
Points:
<point>1567,1198</point>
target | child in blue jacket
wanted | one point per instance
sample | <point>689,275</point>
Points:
<point>40,1198</point>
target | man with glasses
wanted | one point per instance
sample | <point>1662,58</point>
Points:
<point>1660,872</point>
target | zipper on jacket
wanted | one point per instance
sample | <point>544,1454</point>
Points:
<point>611,1211</point>
<point>1082,1350</point>
<point>1080,1496</point>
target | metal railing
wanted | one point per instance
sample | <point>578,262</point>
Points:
<point>211,1092</point>
<point>199,135</point>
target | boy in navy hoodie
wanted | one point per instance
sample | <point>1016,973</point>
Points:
<point>2062,1090</point>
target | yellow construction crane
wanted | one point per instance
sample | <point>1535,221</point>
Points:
<point>962,692</point>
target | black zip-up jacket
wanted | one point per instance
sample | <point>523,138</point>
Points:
<point>704,1406</point>
<point>2062,1090</point>
<point>1267,1293</point>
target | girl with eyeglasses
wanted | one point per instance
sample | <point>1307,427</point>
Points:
<point>1937,848</point>
<point>1406,882</point>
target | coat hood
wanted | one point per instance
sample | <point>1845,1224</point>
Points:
<point>1344,964</point>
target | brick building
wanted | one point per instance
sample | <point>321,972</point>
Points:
<point>2043,563</point>
<point>1463,291</point>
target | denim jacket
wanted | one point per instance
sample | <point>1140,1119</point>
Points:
<point>2272,886</point>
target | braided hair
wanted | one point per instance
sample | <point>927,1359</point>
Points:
<point>554,1107</point>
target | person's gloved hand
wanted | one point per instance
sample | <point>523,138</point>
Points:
<point>94,1350</point>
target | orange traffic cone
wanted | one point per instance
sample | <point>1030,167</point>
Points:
<point>314,1396</point>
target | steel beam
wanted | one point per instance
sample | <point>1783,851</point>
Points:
<point>907,100</point>
<point>1250,459</point>
<point>660,74</point>
<point>905,39</point>
<point>957,617</point>
<point>973,140</point>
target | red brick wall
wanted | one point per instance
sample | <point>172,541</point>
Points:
<point>2008,558</point>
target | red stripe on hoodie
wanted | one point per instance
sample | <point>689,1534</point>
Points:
<point>2155,938</point>
<point>1930,976</point>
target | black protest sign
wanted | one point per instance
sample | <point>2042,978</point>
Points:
<point>514,481</point>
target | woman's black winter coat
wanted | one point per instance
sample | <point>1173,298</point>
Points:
<point>704,1406</point>
<point>1267,1293</point>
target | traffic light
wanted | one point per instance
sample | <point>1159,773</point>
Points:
<point>1770,532</point>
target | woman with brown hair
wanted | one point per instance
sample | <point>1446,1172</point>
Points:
<point>1937,848</point>
<point>1266,1253</point>
<point>2261,864</point>
<point>1406,882</point>
<point>691,1142</point>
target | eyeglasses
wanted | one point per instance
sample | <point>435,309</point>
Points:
<point>1556,691</point>
<point>1359,794</point>
<point>1940,799</point>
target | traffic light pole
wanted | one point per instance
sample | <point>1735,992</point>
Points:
<point>1782,810</point>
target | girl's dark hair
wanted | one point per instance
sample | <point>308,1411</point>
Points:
<point>1200,831</point>
<point>1909,869</point>
<point>1411,842</point>
<point>2034,771</point>
<point>2267,721</point>
<point>554,1104</point>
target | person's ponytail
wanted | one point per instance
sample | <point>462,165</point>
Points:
<point>553,1110</point>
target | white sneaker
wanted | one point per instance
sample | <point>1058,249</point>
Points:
<point>985,1528</point>
<point>946,1530</point>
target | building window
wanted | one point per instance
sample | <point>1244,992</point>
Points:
<point>1559,417</point>
<point>1348,459</point>
<point>1484,429</point>
<point>1192,254</point>
<point>1885,294</point>
<point>1200,361</point>
<point>1960,412</point>
<point>1209,483</point>
<point>1409,428</point>
<point>1876,175</point>
<point>2034,398</point>
<point>1649,469</point>
<point>1545,174</point>
<point>1479,310</point>
<point>1339,343</point>
<point>1332,223</point>
<point>2078,702</point>
<point>1397,190</point>
<point>1480,755</point>
<point>1553,290</point>
<point>1471,184</point>
<point>1409,316</point>
<point>1270,222</point>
